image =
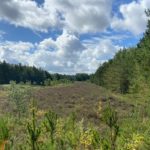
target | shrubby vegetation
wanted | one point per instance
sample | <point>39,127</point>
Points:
<point>38,129</point>
<point>49,82</point>
<point>4,133</point>
<point>18,98</point>
<point>128,71</point>
<point>65,79</point>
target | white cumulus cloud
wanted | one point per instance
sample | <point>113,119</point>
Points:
<point>66,54</point>
<point>27,13</point>
<point>83,15</point>
<point>79,16</point>
<point>133,17</point>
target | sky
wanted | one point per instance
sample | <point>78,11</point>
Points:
<point>69,36</point>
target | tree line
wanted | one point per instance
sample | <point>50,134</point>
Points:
<point>22,73</point>
<point>129,70</point>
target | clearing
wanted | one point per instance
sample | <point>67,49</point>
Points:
<point>79,97</point>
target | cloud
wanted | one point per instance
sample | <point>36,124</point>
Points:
<point>133,17</point>
<point>15,52</point>
<point>79,16</point>
<point>98,51</point>
<point>83,15</point>
<point>8,11</point>
<point>58,55</point>
<point>27,13</point>
<point>67,54</point>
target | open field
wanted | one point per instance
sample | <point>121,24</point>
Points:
<point>129,131</point>
<point>80,97</point>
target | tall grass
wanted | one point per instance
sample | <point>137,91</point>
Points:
<point>41,130</point>
<point>4,133</point>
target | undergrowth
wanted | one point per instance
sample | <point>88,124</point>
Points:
<point>36,129</point>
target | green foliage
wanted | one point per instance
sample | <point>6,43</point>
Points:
<point>50,124</point>
<point>81,77</point>
<point>19,98</point>
<point>129,70</point>
<point>61,81</point>
<point>110,118</point>
<point>138,82</point>
<point>47,82</point>
<point>25,74</point>
<point>20,73</point>
<point>33,130</point>
<point>4,131</point>
<point>54,133</point>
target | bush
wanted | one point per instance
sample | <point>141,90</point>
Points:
<point>19,96</point>
<point>4,133</point>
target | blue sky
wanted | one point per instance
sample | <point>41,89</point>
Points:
<point>68,36</point>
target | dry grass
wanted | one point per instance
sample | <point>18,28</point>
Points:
<point>80,97</point>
